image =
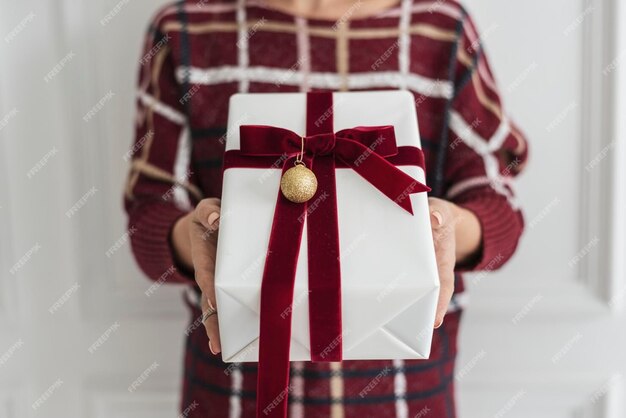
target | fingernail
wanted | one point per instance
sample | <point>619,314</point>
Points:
<point>211,306</point>
<point>437,216</point>
<point>439,323</point>
<point>211,348</point>
<point>213,217</point>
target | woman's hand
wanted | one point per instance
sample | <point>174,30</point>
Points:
<point>457,237</point>
<point>195,241</point>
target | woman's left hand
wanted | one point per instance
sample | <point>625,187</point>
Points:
<point>442,220</point>
<point>457,236</point>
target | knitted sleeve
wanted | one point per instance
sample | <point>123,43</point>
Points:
<point>485,151</point>
<point>160,187</point>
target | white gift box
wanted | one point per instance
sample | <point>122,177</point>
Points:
<point>389,281</point>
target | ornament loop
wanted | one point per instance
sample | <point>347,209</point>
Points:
<point>300,155</point>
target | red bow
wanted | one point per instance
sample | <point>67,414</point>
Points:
<point>363,149</point>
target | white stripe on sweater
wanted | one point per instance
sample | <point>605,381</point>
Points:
<point>304,52</point>
<point>498,138</point>
<point>181,170</point>
<point>226,74</point>
<point>485,148</point>
<point>242,44</point>
<point>399,389</point>
<point>236,385</point>
<point>161,108</point>
<point>404,40</point>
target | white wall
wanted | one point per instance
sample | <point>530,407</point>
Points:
<point>105,295</point>
<point>550,68</point>
<point>543,336</point>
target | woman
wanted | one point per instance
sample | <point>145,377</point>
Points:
<point>198,53</point>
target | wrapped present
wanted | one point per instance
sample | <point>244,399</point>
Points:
<point>325,249</point>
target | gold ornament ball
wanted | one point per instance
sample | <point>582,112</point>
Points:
<point>298,184</point>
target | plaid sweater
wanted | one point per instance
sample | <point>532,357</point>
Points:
<point>198,53</point>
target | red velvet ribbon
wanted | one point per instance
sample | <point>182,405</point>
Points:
<point>373,154</point>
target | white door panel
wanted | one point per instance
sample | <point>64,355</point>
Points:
<point>541,337</point>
